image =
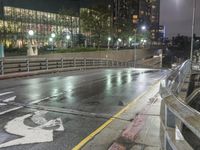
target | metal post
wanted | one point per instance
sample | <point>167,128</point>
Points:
<point>47,64</point>
<point>193,22</point>
<point>135,57</point>
<point>27,65</point>
<point>108,44</point>
<point>2,67</point>
<point>74,62</point>
<point>85,62</point>
<point>93,62</point>
<point>61,62</point>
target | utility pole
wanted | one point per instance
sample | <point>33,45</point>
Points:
<point>193,23</point>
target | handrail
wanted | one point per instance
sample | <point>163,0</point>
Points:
<point>9,66</point>
<point>175,112</point>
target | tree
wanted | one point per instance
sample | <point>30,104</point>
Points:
<point>95,22</point>
<point>66,18</point>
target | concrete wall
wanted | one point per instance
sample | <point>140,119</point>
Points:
<point>122,55</point>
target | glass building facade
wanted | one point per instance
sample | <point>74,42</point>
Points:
<point>16,22</point>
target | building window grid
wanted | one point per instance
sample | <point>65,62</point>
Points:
<point>43,23</point>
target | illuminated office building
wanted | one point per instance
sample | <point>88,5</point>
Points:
<point>18,18</point>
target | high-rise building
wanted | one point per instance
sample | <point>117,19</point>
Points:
<point>140,13</point>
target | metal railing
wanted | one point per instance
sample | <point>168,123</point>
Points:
<point>175,113</point>
<point>9,66</point>
<point>175,79</point>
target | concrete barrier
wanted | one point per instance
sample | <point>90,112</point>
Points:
<point>120,55</point>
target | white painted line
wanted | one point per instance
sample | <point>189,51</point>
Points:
<point>38,101</point>
<point>7,111</point>
<point>10,99</point>
<point>6,93</point>
<point>2,104</point>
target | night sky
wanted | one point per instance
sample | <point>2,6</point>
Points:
<point>176,15</point>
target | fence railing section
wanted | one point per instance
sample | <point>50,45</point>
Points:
<point>8,66</point>
<point>175,113</point>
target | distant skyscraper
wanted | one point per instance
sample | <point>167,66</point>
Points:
<point>139,12</point>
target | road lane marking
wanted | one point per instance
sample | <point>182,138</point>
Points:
<point>31,135</point>
<point>6,93</point>
<point>9,110</point>
<point>10,99</point>
<point>99,129</point>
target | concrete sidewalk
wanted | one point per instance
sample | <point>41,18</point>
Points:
<point>137,128</point>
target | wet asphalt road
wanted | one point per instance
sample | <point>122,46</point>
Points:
<point>73,97</point>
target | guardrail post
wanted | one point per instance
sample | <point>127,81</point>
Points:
<point>74,62</point>
<point>61,62</point>
<point>93,62</point>
<point>2,67</point>
<point>85,62</point>
<point>28,65</point>
<point>47,64</point>
<point>170,120</point>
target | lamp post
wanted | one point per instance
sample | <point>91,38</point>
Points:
<point>68,38</point>
<point>129,40</point>
<point>30,33</point>
<point>51,39</point>
<point>118,41</point>
<point>143,28</point>
<point>109,39</point>
<point>193,22</point>
<point>30,48</point>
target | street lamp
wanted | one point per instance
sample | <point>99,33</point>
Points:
<point>30,32</point>
<point>109,39</point>
<point>68,38</point>
<point>53,35</point>
<point>51,39</point>
<point>129,40</point>
<point>118,41</point>
<point>143,28</point>
<point>30,48</point>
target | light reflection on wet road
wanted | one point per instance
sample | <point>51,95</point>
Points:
<point>93,91</point>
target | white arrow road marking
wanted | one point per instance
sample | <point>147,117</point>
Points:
<point>29,134</point>
<point>6,93</point>
<point>10,99</point>
<point>38,118</point>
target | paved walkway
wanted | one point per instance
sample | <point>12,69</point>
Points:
<point>137,128</point>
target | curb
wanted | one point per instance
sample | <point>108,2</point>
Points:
<point>33,73</point>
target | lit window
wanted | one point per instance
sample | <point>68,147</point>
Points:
<point>135,17</point>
